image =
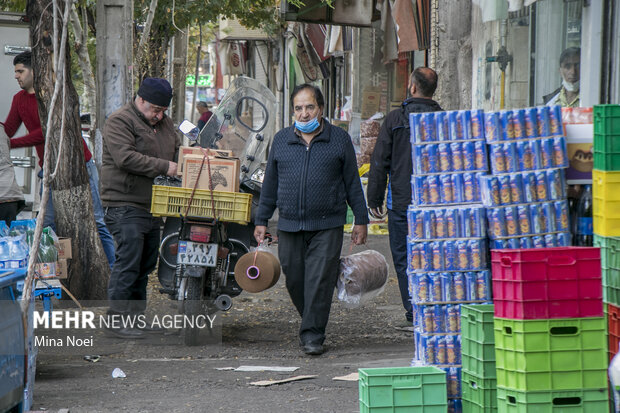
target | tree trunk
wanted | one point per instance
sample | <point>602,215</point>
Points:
<point>89,269</point>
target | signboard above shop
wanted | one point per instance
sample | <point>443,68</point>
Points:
<point>344,13</point>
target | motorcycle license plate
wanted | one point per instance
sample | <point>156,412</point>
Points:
<point>197,253</point>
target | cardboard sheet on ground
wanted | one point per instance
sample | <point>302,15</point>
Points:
<point>264,383</point>
<point>259,368</point>
<point>349,377</point>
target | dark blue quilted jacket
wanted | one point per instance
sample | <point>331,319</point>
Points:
<point>311,185</point>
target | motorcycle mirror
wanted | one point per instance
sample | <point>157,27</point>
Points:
<point>190,130</point>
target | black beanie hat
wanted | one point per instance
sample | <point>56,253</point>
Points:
<point>156,91</point>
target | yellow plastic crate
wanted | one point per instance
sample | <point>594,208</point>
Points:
<point>169,201</point>
<point>606,203</point>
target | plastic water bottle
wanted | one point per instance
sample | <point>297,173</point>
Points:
<point>614,378</point>
<point>4,253</point>
<point>18,253</point>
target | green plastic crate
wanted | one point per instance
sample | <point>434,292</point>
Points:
<point>553,354</point>
<point>606,161</point>
<point>403,390</point>
<point>570,401</point>
<point>479,395</point>
<point>477,340</point>
<point>610,267</point>
<point>606,121</point>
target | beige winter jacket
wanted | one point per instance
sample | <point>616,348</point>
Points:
<point>134,152</point>
<point>9,189</point>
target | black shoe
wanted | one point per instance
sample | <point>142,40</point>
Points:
<point>125,332</point>
<point>313,349</point>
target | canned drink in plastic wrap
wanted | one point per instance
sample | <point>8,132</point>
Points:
<point>541,186</point>
<point>457,156</point>
<point>483,285</point>
<point>492,189</point>
<point>428,319</point>
<point>416,127</point>
<point>458,189</point>
<point>441,126</point>
<point>423,161</point>
<point>559,152</point>
<point>525,242</point>
<point>445,157</point>
<point>499,244</point>
<point>480,156</point>
<point>433,189</point>
<point>427,121</point>
<point>428,349</point>
<point>437,255</point>
<point>529,187</point>
<point>454,382</point>
<point>452,316</point>
<point>425,256</point>
<point>462,255</point>
<point>457,337</point>
<point>465,122</point>
<point>516,189</point>
<point>526,156</point>
<point>447,189</point>
<point>450,256</point>
<point>447,288</point>
<point>440,319</point>
<point>505,118</point>
<point>434,287</point>
<point>420,190</point>
<point>477,123</point>
<point>555,120</point>
<point>531,123</point>
<point>513,243</point>
<point>538,241</point>
<point>504,190</point>
<point>429,224</point>
<point>550,241</point>
<point>469,187</point>
<point>440,224</point>
<point>497,223</point>
<point>415,256</point>
<point>556,184</point>
<point>416,223</point>
<point>464,223</point>
<point>455,126</point>
<point>440,350</point>
<point>510,156</point>
<point>544,128</point>
<point>518,123</point>
<point>470,282</point>
<point>433,158</point>
<point>421,288</point>
<point>561,215</point>
<point>546,152</point>
<point>458,280</point>
<point>469,156</point>
<point>476,254</point>
<point>498,160</point>
<point>539,225</point>
<point>523,212</point>
<point>512,224</point>
<point>549,216</point>
<point>451,354</point>
<point>478,223</point>
<point>451,216</point>
<point>563,239</point>
<point>492,128</point>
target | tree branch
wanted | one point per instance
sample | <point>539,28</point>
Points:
<point>147,29</point>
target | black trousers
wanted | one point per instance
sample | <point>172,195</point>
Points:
<point>136,234</point>
<point>310,260</point>
<point>9,211</point>
<point>397,227</point>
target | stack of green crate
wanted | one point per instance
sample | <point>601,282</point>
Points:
<point>479,384</point>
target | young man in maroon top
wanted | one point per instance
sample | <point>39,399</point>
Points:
<point>24,110</point>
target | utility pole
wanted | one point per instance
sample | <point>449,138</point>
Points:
<point>114,58</point>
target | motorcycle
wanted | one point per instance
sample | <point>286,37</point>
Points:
<point>198,253</point>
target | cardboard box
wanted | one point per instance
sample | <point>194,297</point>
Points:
<point>45,269</point>
<point>224,173</point>
<point>197,150</point>
<point>64,248</point>
<point>371,102</point>
<point>62,269</point>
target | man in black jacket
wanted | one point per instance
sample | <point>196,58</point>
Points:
<point>311,176</point>
<point>392,158</point>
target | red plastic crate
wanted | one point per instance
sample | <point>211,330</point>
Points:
<point>613,322</point>
<point>547,283</point>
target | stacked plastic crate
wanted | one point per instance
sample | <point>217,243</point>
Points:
<point>447,246</point>
<point>479,384</point>
<point>549,325</point>
<point>525,195</point>
<point>606,211</point>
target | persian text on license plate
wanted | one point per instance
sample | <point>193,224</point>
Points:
<point>197,253</point>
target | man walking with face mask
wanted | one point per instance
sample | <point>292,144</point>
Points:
<point>567,95</point>
<point>311,176</point>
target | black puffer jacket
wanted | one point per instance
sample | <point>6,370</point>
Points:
<point>392,156</point>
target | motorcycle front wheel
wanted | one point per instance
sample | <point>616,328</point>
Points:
<point>192,308</point>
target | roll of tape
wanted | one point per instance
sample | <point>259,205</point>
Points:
<point>257,275</point>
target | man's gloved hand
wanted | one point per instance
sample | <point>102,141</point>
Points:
<point>377,213</point>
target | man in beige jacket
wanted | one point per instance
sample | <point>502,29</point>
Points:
<point>11,196</point>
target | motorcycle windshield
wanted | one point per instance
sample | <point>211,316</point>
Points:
<point>243,122</point>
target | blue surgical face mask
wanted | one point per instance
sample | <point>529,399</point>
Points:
<point>307,127</point>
